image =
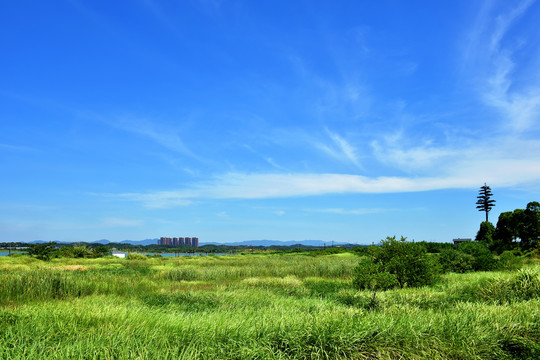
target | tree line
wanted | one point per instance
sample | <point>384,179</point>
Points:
<point>515,230</point>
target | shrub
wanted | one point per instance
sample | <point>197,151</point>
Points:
<point>408,261</point>
<point>132,256</point>
<point>483,259</point>
<point>360,250</point>
<point>509,261</point>
<point>371,276</point>
<point>76,252</point>
<point>83,252</point>
<point>395,263</point>
<point>101,251</point>
<point>43,251</point>
<point>452,260</point>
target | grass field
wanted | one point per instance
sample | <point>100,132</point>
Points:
<point>257,307</point>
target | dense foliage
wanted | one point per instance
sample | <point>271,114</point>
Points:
<point>370,275</point>
<point>42,251</point>
<point>486,233</point>
<point>453,260</point>
<point>520,227</point>
<point>481,258</point>
<point>395,263</point>
<point>475,256</point>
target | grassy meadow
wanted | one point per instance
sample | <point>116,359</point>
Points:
<point>290,306</point>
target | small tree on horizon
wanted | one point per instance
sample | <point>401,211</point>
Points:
<point>484,202</point>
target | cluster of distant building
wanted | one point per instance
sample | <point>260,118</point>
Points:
<point>176,241</point>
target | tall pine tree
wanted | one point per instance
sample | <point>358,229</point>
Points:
<point>485,203</point>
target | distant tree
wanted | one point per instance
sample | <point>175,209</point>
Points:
<point>435,247</point>
<point>100,251</point>
<point>527,225</point>
<point>485,203</point>
<point>520,224</point>
<point>504,238</point>
<point>486,233</point>
<point>42,251</point>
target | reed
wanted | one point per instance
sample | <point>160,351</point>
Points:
<point>257,307</point>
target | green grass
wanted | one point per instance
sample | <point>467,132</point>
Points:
<point>257,307</point>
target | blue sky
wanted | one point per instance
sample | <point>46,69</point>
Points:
<point>287,120</point>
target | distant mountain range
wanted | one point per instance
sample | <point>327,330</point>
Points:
<point>277,243</point>
<point>105,242</point>
<point>238,243</point>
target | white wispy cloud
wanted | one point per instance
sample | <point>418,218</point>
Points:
<point>342,211</point>
<point>459,162</point>
<point>156,200</point>
<point>468,172</point>
<point>338,148</point>
<point>166,137</point>
<point>412,158</point>
<point>492,50</point>
<point>272,162</point>
<point>494,64</point>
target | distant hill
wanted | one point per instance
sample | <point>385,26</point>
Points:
<point>238,243</point>
<point>104,242</point>
<point>140,242</point>
<point>276,243</point>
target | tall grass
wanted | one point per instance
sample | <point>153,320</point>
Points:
<point>257,307</point>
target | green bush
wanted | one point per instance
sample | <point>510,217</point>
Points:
<point>76,252</point>
<point>82,252</point>
<point>133,256</point>
<point>509,261</point>
<point>372,276</point>
<point>43,251</point>
<point>452,260</point>
<point>408,261</point>
<point>483,259</point>
<point>101,251</point>
<point>360,250</point>
<point>395,263</point>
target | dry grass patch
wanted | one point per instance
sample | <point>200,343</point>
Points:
<point>72,268</point>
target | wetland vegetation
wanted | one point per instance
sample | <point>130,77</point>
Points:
<point>260,306</point>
